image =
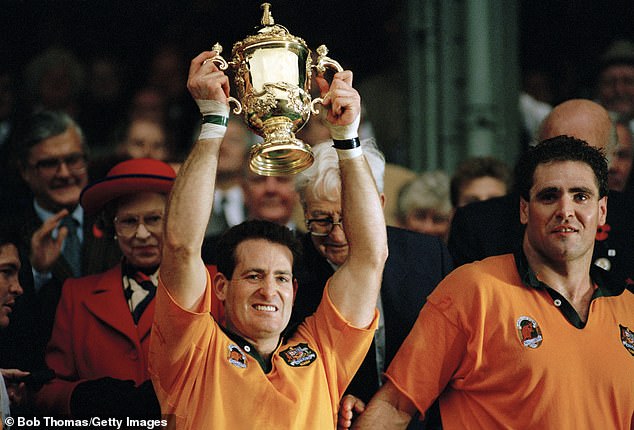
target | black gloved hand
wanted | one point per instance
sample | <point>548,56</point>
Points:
<point>114,398</point>
<point>105,397</point>
<point>146,404</point>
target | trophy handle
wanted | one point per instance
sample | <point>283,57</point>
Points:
<point>323,62</point>
<point>223,65</point>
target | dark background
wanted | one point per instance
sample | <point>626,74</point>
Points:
<point>562,37</point>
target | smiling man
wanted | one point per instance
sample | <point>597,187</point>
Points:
<point>539,339</point>
<point>58,239</point>
<point>248,374</point>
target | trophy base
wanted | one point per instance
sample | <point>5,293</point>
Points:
<point>280,158</point>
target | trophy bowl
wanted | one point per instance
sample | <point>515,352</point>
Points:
<point>272,76</point>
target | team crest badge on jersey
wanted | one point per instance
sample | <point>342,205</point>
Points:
<point>529,332</point>
<point>237,357</point>
<point>627,338</point>
<point>299,355</point>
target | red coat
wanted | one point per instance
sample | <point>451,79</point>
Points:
<point>94,336</point>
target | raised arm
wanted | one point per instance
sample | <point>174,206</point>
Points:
<point>191,199</point>
<point>354,288</point>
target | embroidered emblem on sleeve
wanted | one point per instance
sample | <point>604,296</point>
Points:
<point>298,355</point>
<point>627,338</point>
<point>529,332</point>
<point>237,357</point>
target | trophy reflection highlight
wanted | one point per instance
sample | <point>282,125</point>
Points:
<point>272,75</point>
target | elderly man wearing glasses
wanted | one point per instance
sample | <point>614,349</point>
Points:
<point>416,262</point>
<point>55,234</point>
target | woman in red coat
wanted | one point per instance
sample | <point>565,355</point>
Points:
<point>101,333</point>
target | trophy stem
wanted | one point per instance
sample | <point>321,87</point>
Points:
<point>281,153</point>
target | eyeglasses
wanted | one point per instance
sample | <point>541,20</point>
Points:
<point>76,163</point>
<point>322,226</point>
<point>127,225</point>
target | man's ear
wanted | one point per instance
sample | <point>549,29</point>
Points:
<point>294,289</point>
<point>523,211</point>
<point>603,210</point>
<point>221,283</point>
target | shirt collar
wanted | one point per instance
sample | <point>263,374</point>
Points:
<point>43,214</point>
<point>605,285</point>
<point>247,347</point>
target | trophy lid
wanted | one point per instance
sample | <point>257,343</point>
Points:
<point>269,32</point>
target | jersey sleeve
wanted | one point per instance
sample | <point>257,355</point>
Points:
<point>342,346</point>
<point>432,352</point>
<point>177,334</point>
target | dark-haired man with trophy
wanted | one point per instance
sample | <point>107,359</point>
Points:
<point>249,374</point>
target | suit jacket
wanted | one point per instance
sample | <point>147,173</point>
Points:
<point>493,227</point>
<point>416,264</point>
<point>24,341</point>
<point>94,336</point>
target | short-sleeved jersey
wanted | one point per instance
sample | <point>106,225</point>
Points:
<point>211,380</point>
<point>501,353</point>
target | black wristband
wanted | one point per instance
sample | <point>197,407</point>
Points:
<point>216,119</point>
<point>347,143</point>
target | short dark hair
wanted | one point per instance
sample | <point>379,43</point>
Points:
<point>253,229</point>
<point>474,168</point>
<point>560,148</point>
<point>39,126</point>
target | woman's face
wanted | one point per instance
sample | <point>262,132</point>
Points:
<point>138,225</point>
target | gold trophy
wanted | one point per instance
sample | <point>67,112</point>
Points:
<point>272,75</point>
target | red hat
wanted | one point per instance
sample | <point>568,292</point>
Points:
<point>128,177</point>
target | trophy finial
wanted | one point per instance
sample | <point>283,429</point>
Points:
<point>267,18</point>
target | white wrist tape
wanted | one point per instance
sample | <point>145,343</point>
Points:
<point>212,107</point>
<point>212,131</point>
<point>346,154</point>
<point>343,132</point>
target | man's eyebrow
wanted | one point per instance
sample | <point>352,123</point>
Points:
<point>582,190</point>
<point>13,266</point>
<point>283,272</point>
<point>546,190</point>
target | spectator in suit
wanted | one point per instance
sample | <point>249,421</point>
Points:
<point>59,239</point>
<point>493,227</point>
<point>416,262</point>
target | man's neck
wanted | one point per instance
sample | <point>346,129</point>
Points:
<point>265,346</point>
<point>571,278</point>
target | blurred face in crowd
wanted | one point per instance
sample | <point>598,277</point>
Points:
<point>56,171</point>
<point>233,151</point>
<point>270,198</point>
<point>139,227</point>
<point>146,139</point>
<point>616,88</point>
<point>428,221</point>
<point>329,239</point>
<point>480,189</point>
<point>9,284</point>
<point>621,165</point>
<point>563,212</point>
<point>258,299</point>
